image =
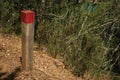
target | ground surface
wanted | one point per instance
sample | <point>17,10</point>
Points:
<point>45,67</point>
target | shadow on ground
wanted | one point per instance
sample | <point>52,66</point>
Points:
<point>10,76</point>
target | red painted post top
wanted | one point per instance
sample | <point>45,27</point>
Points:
<point>27,16</point>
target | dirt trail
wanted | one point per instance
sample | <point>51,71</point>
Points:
<point>45,67</point>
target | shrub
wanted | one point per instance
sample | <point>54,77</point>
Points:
<point>85,35</point>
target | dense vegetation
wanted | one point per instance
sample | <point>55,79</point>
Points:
<point>85,34</point>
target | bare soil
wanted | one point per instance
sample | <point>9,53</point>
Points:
<point>44,67</point>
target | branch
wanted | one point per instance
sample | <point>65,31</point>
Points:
<point>57,16</point>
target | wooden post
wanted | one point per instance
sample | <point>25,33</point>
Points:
<point>27,18</point>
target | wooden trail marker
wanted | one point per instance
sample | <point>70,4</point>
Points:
<point>27,19</point>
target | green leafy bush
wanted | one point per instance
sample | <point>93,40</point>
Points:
<point>85,35</point>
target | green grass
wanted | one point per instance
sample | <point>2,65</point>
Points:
<point>85,37</point>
